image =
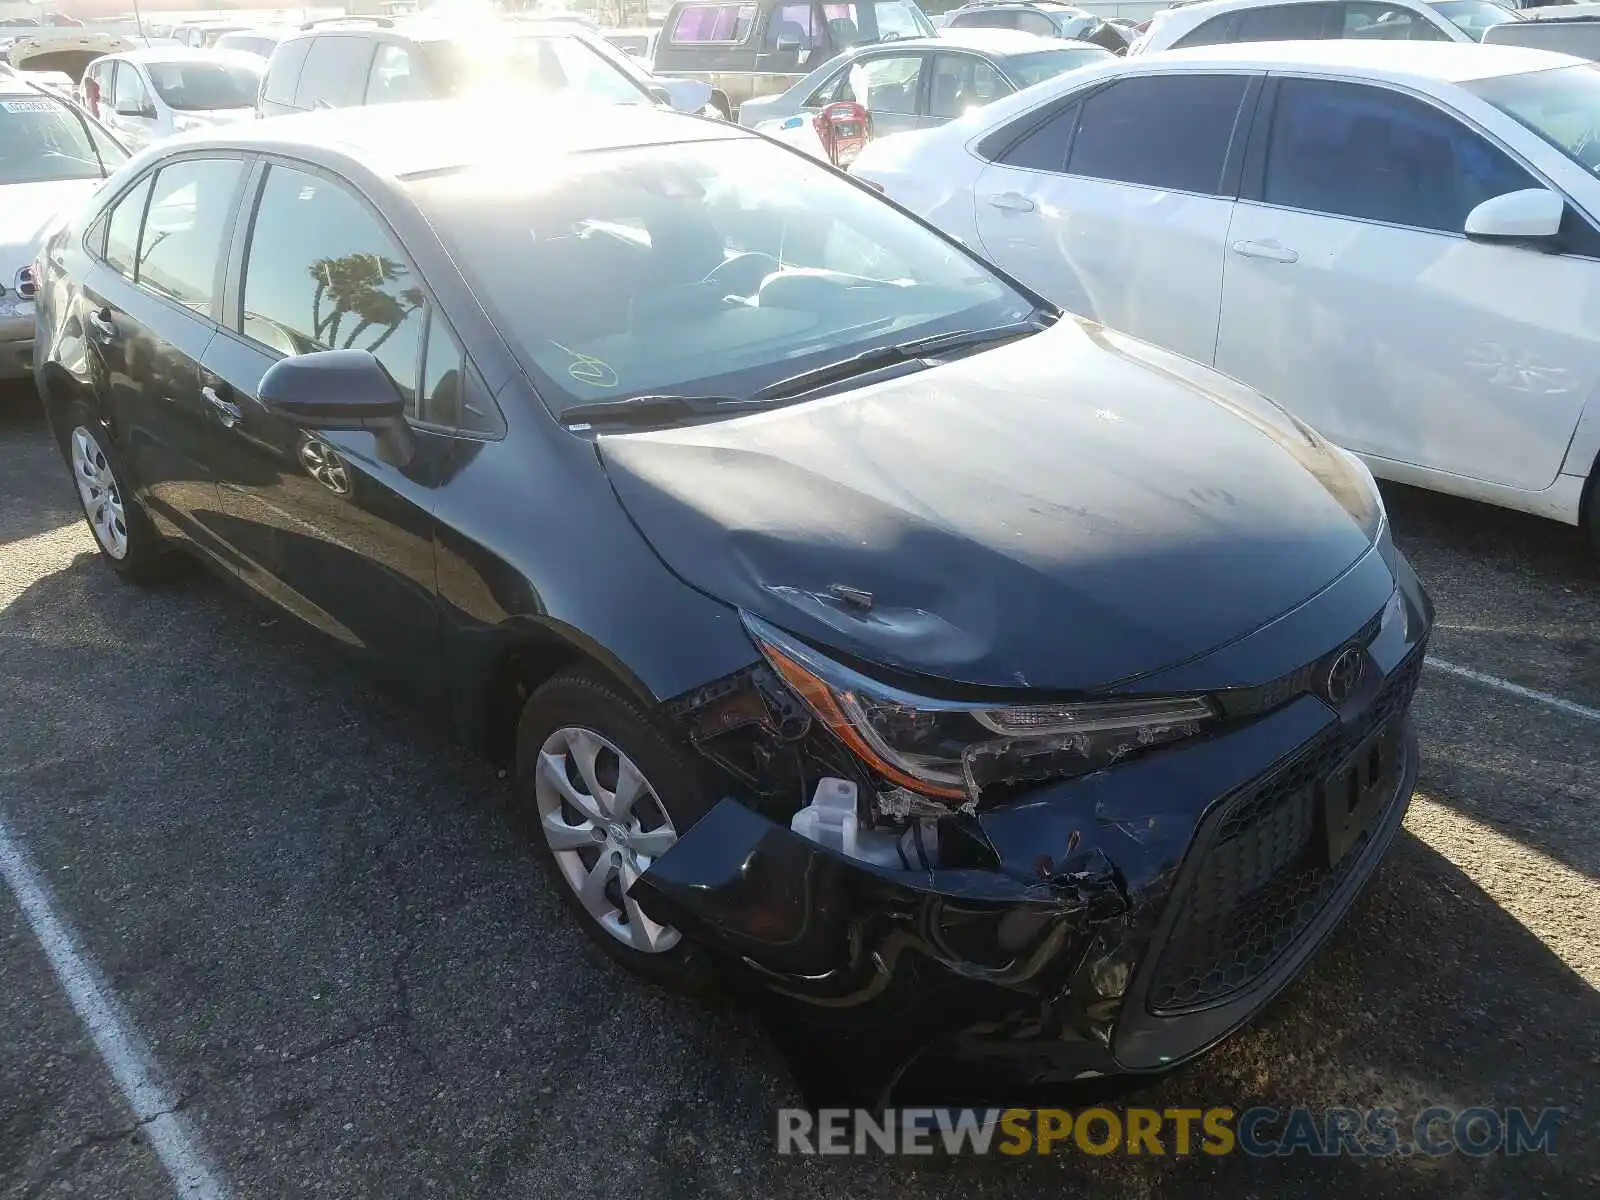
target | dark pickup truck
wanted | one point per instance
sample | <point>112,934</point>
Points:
<point>749,48</point>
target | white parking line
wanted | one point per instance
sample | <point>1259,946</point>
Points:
<point>1516,689</point>
<point>119,1044</point>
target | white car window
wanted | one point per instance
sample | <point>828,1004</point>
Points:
<point>885,85</point>
<point>1165,131</point>
<point>962,82</point>
<point>1283,23</point>
<point>1350,150</point>
<point>129,96</point>
<point>1389,22</point>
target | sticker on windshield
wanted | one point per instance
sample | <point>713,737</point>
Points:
<point>585,368</point>
<point>27,106</point>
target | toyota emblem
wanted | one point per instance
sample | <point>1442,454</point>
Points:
<point>1344,675</point>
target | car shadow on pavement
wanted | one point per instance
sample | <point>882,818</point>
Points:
<point>1518,599</point>
<point>322,915</point>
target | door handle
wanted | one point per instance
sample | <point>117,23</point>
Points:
<point>103,325</point>
<point>227,411</point>
<point>1012,202</point>
<point>1268,250</point>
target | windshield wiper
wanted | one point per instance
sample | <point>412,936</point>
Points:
<point>652,409</point>
<point>887,356</point>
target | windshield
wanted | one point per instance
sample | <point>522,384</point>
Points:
<point>1561,106</point>
<point>197,86</point>
<point>1025,70</point>
<point>1474,16</point>
<point>553,63</point>
<point>43,139</point>
<point>715,267</point>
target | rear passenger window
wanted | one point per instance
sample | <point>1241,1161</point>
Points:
<point>283,71</point>
<point>187,227</point>
<point>122,230</point>
<point>1165,131</point>
<point>1045,149</point>
<point>1356,151</point>
<point>1288,23</point>
<point>1214,32</point>
<point>322,273</point>
<point>335,74</point>
<point>727,23</point>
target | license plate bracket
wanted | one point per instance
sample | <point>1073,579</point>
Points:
<point>1352,794</point>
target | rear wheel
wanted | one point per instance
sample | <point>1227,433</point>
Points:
<point>611,788</point>
<point>125,537</point>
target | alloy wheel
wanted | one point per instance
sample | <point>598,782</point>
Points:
<point>605,825</point>
<point>102,497</point>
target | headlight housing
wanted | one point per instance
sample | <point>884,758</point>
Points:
<point>952,750</point>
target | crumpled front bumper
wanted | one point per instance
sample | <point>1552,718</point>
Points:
<point>1132,918</point>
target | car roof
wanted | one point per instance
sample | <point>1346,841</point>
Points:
<point>1397,62</point>
<point>990,41</point>
<point>165,54</point>
<point>974,5</point>
<point>428,136</point>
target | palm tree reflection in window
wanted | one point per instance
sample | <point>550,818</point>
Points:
<point>354,285</point>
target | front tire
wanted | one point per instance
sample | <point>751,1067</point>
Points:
<point>122,531</point>
<point>610,788</point>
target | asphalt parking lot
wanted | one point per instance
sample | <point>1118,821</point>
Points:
<point>321,918</point>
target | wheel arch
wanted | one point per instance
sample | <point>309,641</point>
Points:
<point>526,655</point>
<point>58,391</point>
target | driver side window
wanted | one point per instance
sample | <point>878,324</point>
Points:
<point>1351,150</point>
<point>128,93</point>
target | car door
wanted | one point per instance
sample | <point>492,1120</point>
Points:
<point>1352,296</point>
<point>959,82</point>
<point>1116,205</point>
<point>150,301</point>
<point>335,526</point>
<point>890,86</point>
<point>132,112</point>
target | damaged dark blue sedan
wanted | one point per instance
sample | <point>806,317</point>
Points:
<point>992,695</point>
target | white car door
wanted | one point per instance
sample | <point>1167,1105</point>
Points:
<point>133,111</point>
<point>1117,206</point>
<point>1352,296</point>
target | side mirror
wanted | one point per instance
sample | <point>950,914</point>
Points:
<point>341,389</point>
<point>1531,215</point>
<point>660,94</point>
<point>787,45</point>
<point>134,110</point>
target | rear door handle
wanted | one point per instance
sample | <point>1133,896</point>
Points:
<point>1012,202</point>
<point>1268,250</point>
<point>227,411</point>
<point>103,325</point>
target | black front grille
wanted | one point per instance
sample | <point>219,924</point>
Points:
<point>1257,884</point>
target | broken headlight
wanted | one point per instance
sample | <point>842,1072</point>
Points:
<point>953,749</point>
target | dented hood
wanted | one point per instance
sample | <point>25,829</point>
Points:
<point>1063,512</point>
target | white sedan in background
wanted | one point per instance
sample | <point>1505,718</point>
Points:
<point>144,96</point>
<point>1398,243</point>
<point>51,157</point>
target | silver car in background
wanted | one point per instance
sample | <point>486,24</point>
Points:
<point>922,82</point>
